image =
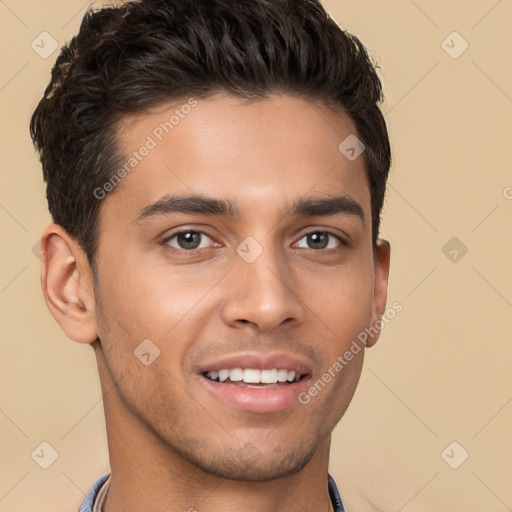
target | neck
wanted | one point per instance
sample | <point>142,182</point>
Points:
<point>147,474</point>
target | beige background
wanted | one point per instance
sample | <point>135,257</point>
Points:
<point>441,372</point>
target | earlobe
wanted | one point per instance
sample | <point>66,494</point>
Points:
<point>382,253</point>
<point>67,283</point>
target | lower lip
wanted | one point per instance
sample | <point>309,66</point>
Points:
<point>261,400</point>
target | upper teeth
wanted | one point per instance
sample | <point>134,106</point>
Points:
<point>254,376</point>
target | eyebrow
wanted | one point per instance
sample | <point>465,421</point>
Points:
<point>187,204</point>
<point>196,204</point>
<point>328,206</point>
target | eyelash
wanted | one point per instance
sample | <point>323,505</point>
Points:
<point>166,241</point>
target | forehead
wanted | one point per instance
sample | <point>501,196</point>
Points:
<point>262,155</point>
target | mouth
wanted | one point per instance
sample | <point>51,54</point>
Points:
<point>257,382</point>
<point>255,378</point>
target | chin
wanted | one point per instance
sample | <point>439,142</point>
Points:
<point>256,470</point>
<point>251,464</point>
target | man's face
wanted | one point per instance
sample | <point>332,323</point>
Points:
<point>273,278</point>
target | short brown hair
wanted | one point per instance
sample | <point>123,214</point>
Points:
<point>143,53</point>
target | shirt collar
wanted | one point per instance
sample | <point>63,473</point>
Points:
<point>88,504</point>
<point>335,496</point>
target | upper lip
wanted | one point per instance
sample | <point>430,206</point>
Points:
<point>258,361</point>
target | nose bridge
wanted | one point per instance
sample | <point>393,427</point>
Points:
<point>261,287</point>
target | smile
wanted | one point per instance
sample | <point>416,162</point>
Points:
<point>255,382</point>
<point>254,378</point>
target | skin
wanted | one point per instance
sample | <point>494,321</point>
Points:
<point>173,444</point>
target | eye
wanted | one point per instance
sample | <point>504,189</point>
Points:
<point>189,240</point>
<point>319,240</point>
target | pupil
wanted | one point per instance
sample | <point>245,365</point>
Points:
<point>189,240</point>
<point>318,240</point>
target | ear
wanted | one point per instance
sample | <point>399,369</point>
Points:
<point>381,256</point>
<point>67,283</point>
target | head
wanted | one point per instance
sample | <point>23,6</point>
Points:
<point>202,200</point>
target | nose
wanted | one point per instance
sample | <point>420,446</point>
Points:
<point>262,293</point>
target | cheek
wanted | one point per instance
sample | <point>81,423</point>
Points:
<point>344,304</point>
<point>142,303</point>
<point>153,299</point>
